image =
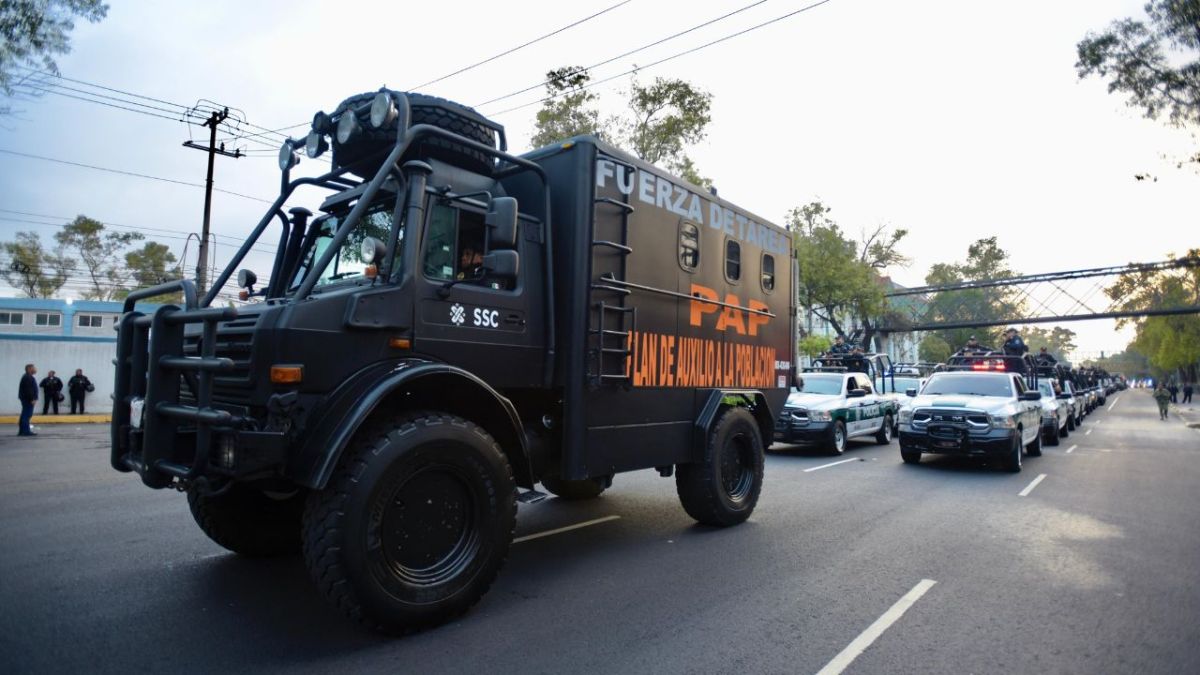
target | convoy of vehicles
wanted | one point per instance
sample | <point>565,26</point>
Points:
<point>831,407</point>
<point>457,323</point>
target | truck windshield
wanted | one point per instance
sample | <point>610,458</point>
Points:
<point>822,384</point>
<point>348,264</point>
<point>968,384</point>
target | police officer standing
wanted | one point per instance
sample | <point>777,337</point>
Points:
<point>1013,344</point>
<point>28,394</point>
<point>973,347</point>
<point>1045,358</point>
<point>78,387</point>
<point>53,387</point>
<point>839,346</point>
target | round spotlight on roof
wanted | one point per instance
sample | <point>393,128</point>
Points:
<point>315,144</point>
<point>383,110</point>
<point>348,127</point>
<point>322,123</point>
<point>288,157</point>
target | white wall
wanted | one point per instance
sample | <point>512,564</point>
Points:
<point>63,357</point>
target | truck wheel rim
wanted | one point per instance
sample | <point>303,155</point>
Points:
<point>737,466</point>
<point>429,529</point>
<point>839,439</point>
<point>887,428</point>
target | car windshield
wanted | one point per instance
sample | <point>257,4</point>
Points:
<point>968,384</point>
<point>348,264</point>
<point>821,384</point>
<point>903,384</point>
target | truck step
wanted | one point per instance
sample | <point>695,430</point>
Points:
<point>531,496</point>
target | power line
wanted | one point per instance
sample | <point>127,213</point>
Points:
<point>111,224</point>
<point>110,105</point>
<point>693,50</point>
<point>632,51</point>
<point>129,173</point>
<point>521,46</point>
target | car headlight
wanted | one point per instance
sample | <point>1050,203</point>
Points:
<point>1001,422</point>
<point>820,415</point>
<point>905,417</point>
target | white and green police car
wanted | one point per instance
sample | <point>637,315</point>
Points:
<point>831,408</point>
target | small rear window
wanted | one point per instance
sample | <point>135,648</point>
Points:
<point>689,246</point>
<point>768,272</point>
<point>733,260</point>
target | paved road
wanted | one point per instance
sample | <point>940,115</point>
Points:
<point>1093,571</point>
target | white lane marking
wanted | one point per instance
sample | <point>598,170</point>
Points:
<point>1029,488</point>
<point>1088,432</point>
<point>872,633</point>
<point>826,466</point>
<point>1114,403</point>
<point>1071,449</point>
<point>568,528</point>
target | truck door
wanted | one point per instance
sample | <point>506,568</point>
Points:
<point>489,326</point>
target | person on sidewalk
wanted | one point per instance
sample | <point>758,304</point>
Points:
<point>28,393</point>
<point>1163,397</point>
<point>78,387</point>
<point>1187,392</point>
<point>52,388</point>
<point>1174,389</point>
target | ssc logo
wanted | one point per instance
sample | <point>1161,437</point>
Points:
<point>457,314</point>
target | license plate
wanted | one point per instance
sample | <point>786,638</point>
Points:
<point>945,444</point>
<point>136,406</point>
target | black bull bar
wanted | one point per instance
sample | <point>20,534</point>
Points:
<point>150,367</point>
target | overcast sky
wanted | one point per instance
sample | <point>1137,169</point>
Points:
<point>956,120</point>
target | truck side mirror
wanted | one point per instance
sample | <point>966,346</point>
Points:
<point>857,393</point>
<point>1031,396</point>
<point>911,392</point>
<point>502,264</point>
<point>502,223</point>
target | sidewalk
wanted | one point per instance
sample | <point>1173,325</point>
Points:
<point>90,418</point>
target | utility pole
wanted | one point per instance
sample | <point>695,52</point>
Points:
<point>212,122</point>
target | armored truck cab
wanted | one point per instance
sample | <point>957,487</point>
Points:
<point>456,322</point>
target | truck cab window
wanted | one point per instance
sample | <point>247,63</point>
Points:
<point>733,260</point>
<point>347,265</point>
<point>455,245</point>
<point>689,246</point>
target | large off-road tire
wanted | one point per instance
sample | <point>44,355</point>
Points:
<point>415,523</point>
<point>723,488</point>
<point>248,521</point>
<point>588,488</point>
<point>837,438</point>
<point>365,151</point>
<point>884,435</point>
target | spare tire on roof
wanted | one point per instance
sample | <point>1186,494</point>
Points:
<point>367,150</point>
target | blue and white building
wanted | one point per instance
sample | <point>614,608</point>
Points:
<point>59,335</point>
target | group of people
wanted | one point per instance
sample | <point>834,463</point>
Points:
<point>851,356</point>
<point>78,387</point>
<point>1013,346</point>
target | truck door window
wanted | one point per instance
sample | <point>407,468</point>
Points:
<point>689,246</point>
<point>455,245</point>
<point>768,272</point>
<point>851,384</point>
<point>733,260</point>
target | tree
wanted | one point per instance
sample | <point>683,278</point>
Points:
<point>879,250</point>
<point>934,349</point>
<point>814,345</point>
<point>1059,341</point>
<point>151,265</point>
<point>100,253</point>
<point>570,108</point>
<point>1171,343</point>
<point>664,118</point>
<point>985,261</point>
<point>835,282</point>
<point>31,269</point>
<point>1156,65</point>
<point>32,32</point>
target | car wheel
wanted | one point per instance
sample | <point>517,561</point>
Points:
<point>1014,453</point>
<point>1071,422</point>
<point>837,439</point>
<point>1052,437</point>
<point>910,456</point>
<point>722,489</point>
<point>1034,449</point>
<point>884,436</point>
<point>415,523</point>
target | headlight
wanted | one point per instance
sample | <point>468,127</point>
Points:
<point>347,127</point>
<point>1001,422</point>
<point>287,156</point>
<point>315,144</point>
<point>820,415</point>
<point>383,110</point>
<point>905,416</point>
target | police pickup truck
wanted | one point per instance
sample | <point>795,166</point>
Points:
<point>973,413</point>
<point>830,408</point>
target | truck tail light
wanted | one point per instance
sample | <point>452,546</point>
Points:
<point>287,374</point>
